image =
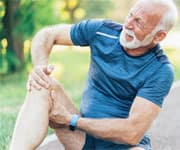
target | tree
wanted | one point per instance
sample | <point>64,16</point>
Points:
<point>71,6</point>
<point>18,23</point>
<point>20,19</point>
<point>13,31</point>
<point>97,8</point>
<point>72,11</point>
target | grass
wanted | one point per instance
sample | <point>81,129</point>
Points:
<point>70,69</point>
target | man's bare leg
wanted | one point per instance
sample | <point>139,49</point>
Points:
<point>72,140</point>
<point>32,123</point>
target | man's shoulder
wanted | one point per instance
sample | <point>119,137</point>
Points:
<point>106,23</point>
<point>161,56</point>
<point>166,67</point>
<point>113,25</point>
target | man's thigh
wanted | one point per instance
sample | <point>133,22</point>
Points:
<point>72,140</point>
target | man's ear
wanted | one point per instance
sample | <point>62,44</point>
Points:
<point>161,35</point>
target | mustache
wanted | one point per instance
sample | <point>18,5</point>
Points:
<point>129,32</point>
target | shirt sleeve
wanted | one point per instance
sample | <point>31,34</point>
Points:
<point>156,88</point>
<point>83,32</point>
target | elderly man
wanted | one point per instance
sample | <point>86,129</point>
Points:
<point>128,79</point>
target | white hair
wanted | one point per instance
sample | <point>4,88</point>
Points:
<point>170,16</point>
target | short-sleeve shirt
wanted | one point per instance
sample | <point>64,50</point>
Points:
<point>116,78</point>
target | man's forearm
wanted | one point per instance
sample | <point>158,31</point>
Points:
<point>45,39</point>
<point>41,47</point>
<point>129,130</point>
<point>116,130</point>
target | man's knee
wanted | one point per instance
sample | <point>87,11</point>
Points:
<point>55,85</point>
<point>45,93</point>
<point>62,96</point>
<point>39,98</point>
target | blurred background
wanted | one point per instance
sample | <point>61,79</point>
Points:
<point>21,19</point>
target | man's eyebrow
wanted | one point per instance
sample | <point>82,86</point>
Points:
<point>137,17</point>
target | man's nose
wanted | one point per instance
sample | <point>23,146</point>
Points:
<point>129,23</point>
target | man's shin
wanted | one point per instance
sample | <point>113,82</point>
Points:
<point>32,122</point>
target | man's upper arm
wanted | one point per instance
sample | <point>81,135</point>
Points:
<point>61,34</point>
<point>142,114</point>
<point>79,34</point>
<point>149,99</point>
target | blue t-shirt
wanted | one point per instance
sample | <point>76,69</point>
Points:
<point>116,78</point>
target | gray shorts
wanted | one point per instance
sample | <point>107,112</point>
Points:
<point>145,143</point>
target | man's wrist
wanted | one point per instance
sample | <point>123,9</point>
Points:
<point>73,122</point>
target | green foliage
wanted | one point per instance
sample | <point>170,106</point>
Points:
<point>74,10</point>
<point>45,13</point>
<point>2,12</point>
<point>12,61</point>
<point>25,15</point>
<point>35,14</point>
<point>24,20</point>
<point>97,8</point>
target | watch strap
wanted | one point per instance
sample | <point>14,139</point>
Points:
<point>73,122</point>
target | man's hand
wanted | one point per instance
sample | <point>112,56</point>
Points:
<point>59,115</point>
<point>39,77</point>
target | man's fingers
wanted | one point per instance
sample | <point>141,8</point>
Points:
<point>39,77</point>
<point>39,71</point>
<point>39,80</point>
<point>54,125</point>
<point>35,85</point>
<point>47,69</point>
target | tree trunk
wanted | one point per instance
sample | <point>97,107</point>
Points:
<point>15,41</point>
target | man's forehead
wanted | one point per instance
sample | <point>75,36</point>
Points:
<point>139,11</point>
<point>143,7</point>
<point>148,7</point>
<point>147,11</point>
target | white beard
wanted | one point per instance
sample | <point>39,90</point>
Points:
<point>135,43</point>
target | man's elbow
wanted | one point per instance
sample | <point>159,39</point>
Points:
<point>134,132</point>
<point>46,33</point>
<point>132,138</point>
